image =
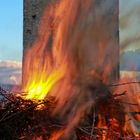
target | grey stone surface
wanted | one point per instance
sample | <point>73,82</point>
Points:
<point>33,10</point>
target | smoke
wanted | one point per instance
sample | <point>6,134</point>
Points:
<point>129,25</point>
<point>130,34</point>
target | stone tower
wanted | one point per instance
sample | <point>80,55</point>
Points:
<point>33,10</point>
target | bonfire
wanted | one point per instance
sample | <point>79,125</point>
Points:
<point>67,91</point>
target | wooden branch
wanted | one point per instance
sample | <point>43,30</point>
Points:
<point>122,84</point>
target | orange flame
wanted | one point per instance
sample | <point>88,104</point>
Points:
<point>68,44</point>
<point>67,36</point>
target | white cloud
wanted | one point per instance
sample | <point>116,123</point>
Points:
<point>9,63</point>
<point>10,72</point>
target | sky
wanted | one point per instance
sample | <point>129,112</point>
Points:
<point>11,23</point>
<point>11,28</point>
<point>11,37</point>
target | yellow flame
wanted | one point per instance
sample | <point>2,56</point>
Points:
<point>38,90</point>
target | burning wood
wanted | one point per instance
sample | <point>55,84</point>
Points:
<point>66,72</point>
<point>25,119</point>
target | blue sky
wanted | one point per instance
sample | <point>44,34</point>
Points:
<point>11,26</point>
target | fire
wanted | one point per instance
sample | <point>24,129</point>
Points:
<point>44,67</point>
<point>65,47</point>
<point>37,90</point>
<point>70,58</point>
<point>131,102</point>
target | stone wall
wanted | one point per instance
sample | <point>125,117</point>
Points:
<point>32,12</point>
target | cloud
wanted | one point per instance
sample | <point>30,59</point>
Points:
<point>10,72</point>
